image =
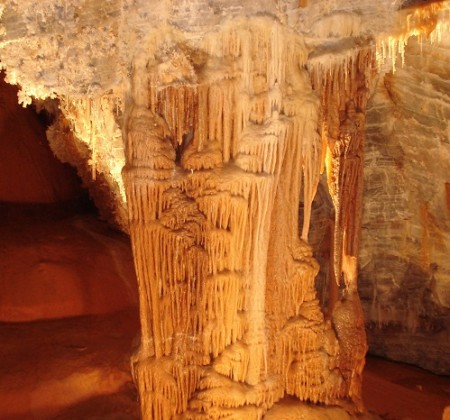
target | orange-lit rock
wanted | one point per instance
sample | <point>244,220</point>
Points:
<point>212,234</point>
<point>29,173</point>
<point>42,277</point>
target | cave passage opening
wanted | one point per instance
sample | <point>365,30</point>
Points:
<point>68,301</point>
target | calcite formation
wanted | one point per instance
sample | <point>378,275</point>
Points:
<point>86,134</point>
<point>211,163</point>
<point>228,113</point>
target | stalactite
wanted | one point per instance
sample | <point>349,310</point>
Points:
<point>94,122</point>
<point>344,90</point>
<point>426,22</point>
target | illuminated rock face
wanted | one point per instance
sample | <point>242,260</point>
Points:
<point>86,134</point>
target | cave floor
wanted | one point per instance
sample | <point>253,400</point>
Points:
<point>73,368</point>
<point>68,306</point>
<point>397,391</point>
<point>78,367</point>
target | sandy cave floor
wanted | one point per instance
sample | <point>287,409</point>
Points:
<point>77,366</point>
<point>74,368</point>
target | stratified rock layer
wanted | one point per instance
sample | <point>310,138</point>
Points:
<point>405,271</point>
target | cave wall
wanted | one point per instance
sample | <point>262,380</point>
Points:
<point>405,246</point>
<point>29,171</point>
<point>55,265</point>
<point>42,239</point>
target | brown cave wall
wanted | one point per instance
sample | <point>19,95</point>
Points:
<point>405,247</point>
<point>56,266</point>
<point>56,259</point>
<point>29,172</point>
<point>404,279</point>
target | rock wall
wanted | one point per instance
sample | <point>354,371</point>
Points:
<point>42,242</point>
<point>405,247</point>
<point>29,172</point>
<point>58,265</point>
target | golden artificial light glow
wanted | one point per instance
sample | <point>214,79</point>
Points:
<point>426,22</point>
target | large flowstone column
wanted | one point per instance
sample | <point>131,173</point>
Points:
<point>221,138</point>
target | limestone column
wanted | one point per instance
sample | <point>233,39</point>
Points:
<point>221,139</point>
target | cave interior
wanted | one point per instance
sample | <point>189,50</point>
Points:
<point>216,209</point>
